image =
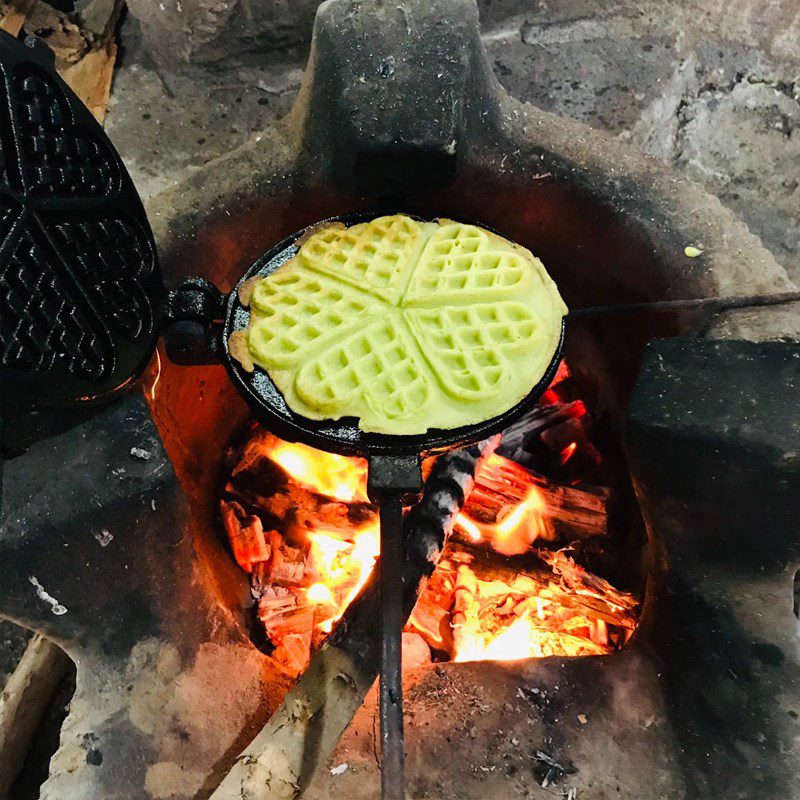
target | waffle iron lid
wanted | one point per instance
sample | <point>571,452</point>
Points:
<point>80,287</point>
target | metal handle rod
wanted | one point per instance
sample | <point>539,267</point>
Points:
<point>391,680</point>
<point>709,303</point>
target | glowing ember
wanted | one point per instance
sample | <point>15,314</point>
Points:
<point>336,476</point>
<point>568,452</point>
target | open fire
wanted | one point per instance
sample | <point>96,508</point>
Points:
<point>509,584</point>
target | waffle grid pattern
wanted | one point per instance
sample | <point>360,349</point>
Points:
<point>58,161</point>
<point>456,308</point>
<point>300,310</point>
<point>40,322</point>
<point>377,362</point>
<point>369,255</point>
<point>107,255</point>
<point>468,344</point>
<point>462,258</point>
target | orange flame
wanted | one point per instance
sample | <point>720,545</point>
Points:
<point>515,529</point>
<point>343,568</point>
<point>518,640</point>
<point>473,618</point>
<point>336,476</point>
<point>568,452</point>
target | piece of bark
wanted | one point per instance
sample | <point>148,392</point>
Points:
<point>99,18</point>
<point>14,14</point>
<point>23,702</point>
<point>299,738</point>
<point>58,32</point>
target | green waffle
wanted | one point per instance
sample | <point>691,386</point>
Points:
<point>405,325</point>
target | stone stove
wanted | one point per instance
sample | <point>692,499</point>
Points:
<point>399,104</point>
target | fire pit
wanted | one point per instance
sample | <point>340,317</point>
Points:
<point>177,669</point>
<point>299,522</point>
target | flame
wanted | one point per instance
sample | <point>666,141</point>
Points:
<point>517,641</point>
<point>516,528</point>
<point>568,451</point>
<point>319,593</point>
<point>343,568</point>
<point>558,609</point>
<point>336,476</point>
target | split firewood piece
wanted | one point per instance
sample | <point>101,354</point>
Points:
<point>23,702</point>
<point>568,512</point>
<point>299,738</point>
<point>85,53</point>
<point>466,612</point>
<point>536,421</point>
<point>293,651</point>
<point>58,32</point>
<point>556,578</point>
<point>245,534</point>
<point>262,485</point>
<point>431,615</point>
<point>90,78</point>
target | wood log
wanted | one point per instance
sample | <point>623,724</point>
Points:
<point>263,487</point>
<point>299,738</point>
<point>23,702</point>
<point>555,575</point>
<point>537,421</point>
<point>575,512</point>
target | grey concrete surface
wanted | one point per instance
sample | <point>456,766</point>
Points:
<point>711,88</point>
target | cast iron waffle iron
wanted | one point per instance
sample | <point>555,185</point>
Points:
<point>81,295</point>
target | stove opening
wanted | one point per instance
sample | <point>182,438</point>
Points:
<point>536,565</point>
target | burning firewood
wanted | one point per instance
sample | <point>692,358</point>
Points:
<point>327,547</point>
<point>245,534</point>
<point>566,513</point>
<point>319,707</point>
<point>565,610</point>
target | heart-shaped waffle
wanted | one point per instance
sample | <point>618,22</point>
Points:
<point>405,325</point>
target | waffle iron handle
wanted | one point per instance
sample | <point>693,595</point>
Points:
<point>393,481</point>
<point>391,679</point>
<point>193,331</point>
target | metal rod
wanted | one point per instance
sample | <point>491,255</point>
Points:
<point>708,303</point>
<point>391,680</point>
